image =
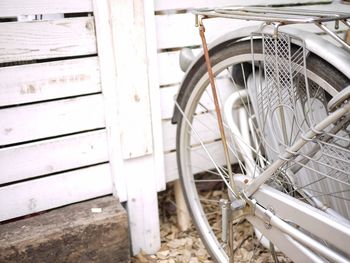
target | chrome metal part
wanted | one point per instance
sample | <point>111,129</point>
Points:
<point>225,216</point>
<point>267,217</point>
<point>338,99</point>
<point>238,204</point>
<point>288,153</point>
<point>268,14</point>
<point>304,216</point>
<point>299,236</point>
<point>186,58</point>
<point>345,45</point>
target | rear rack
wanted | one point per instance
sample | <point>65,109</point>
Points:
<point>269,14</point>
<point>280,17</point>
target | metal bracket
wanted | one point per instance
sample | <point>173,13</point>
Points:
<point>338,99</point>
<point>269,212</point>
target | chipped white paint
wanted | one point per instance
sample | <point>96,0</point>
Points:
<point>51,156</point>
<point>128,34</point>
<point>65,78</point>
<point>48,119</point>
<point>23,41</point>
<point>54,191</point>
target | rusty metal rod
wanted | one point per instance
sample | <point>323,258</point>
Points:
<point>217,108</point>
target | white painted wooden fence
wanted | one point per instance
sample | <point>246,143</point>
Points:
<point>85,99</point>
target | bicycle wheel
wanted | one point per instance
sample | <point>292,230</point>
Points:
<point>263,132</point>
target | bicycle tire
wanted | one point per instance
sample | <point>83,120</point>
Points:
<point>222,57</point>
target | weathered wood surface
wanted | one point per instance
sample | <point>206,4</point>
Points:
<point>22,41</point>
<point>19,124</point>
<point>127,20</point>
<point>141,159</point>
<point>50,80</point>
<point>110,96</point>
<point>20,7</point>
<point>51,156</point>
<point>200,161</point>
<point>73,233</point>
<point>45,193</point>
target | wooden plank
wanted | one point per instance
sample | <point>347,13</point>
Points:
<point>32,7</point>
<point>200,163</point>
<point>27,83</point>
<point>19,124</point>
<point>110,96</point>
<point>161,5</point>
<point>47,39</point>
<point>127,21</point>
<point>77,226</point>
<point>170,72</point>
<point>52,156</point>
<point>204,124</point>
<point>54,191</point>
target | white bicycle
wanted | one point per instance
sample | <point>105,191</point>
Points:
<point>263,115</point>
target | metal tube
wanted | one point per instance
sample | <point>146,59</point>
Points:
<point>334,36</point>
<point>299,236</point>
<point>256,183</point>
<point>225,206</point>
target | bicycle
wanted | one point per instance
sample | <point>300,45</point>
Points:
<point>263,114</point>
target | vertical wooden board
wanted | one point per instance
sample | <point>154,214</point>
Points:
<point>129,35</point>
<point>19,124</point>
<point>154,95</point>
<point>52,156</point>
<point>32,7</point>
<point>21,41</point>
<point>45,193</point>
<point>161,5</point>
<point>27,83</point>
<point>110,95</point>
<point>142,205</point>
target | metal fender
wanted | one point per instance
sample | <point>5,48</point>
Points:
<point>334,55</point>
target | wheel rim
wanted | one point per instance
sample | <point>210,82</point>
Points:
<point>193,199</point>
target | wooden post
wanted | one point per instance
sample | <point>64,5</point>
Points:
<point>183,216</point>
<point>110,95</point>
<point>138,121</point>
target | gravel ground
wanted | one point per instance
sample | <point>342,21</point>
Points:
<point>186,246</point>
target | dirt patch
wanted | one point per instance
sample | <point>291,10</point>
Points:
<point>186,246</point>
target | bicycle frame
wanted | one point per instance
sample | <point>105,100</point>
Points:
<point>269,210</point>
